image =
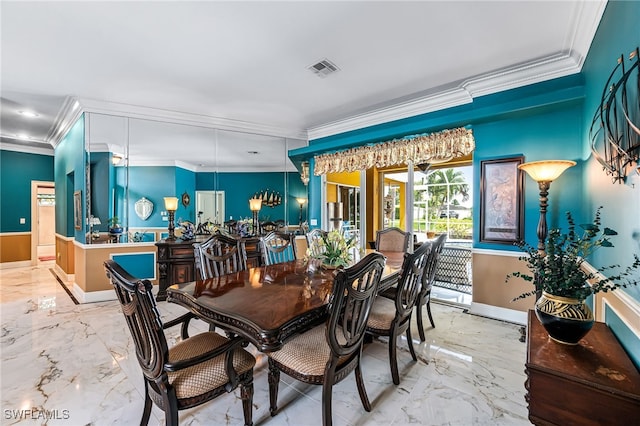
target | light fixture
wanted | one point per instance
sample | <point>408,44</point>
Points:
<point>544,172</point>
<point>94,221</point>
<point>23,136</point>
<point>171,205</point>
<point>29,114</point>
<point>301,201</point>
<point>115,159</point>
<point>255,204</point>
<point>304,172</point>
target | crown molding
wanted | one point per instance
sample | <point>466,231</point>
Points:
<point>176,117</point>
<point>422,105</point>
<point>66,118</point>
<point>27,149</point>
<point>582,29</point>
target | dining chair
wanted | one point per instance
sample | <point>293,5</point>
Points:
<point>392,316</point>
<point>268,226</point>
<point>219,255</point>
<point>424,297</point>
<point>277,247</point>
<point>392,239</point>
<point>230,226</point>
<point>193,371</point>
<point>328,352</point>
<point>314,241</point>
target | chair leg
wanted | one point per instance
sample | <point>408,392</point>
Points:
<point>148,404</point>
<point>410,343</point>
<point>393,360</point>
<point>419,320</point>
<point>246,393</point>
<point>327,388</point>
<point>361,389</point>
<point>274,381</point>
<point>429,312</point>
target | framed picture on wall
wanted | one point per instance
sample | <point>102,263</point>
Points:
<point>77,209</point>
<point>501,200</point>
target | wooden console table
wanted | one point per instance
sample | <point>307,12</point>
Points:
<point>176,263</point>
<point>592,383</point>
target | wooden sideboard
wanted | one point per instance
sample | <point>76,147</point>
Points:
<point>592,383</point>
<point>176,263</point>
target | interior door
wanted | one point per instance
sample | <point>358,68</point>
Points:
<point>210,206</point>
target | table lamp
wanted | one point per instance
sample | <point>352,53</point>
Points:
<point>255,204</point>
<point>171,205</point>
<point>301,201</point>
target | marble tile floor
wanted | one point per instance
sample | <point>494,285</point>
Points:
<point>76,364</point>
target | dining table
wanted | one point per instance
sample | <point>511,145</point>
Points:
<point>267,305</point>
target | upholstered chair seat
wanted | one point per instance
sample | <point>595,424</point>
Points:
<point>203,380</point>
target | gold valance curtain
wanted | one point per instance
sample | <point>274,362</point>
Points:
<point>432,148</point>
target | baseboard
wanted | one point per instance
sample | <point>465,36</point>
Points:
<point>19,264</point>
<point>495,312</point>
<point>92,296</point>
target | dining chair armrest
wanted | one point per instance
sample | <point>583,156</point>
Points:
<point>226,348</point>
<point>182,319</point>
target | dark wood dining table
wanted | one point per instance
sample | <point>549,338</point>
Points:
<point>269,304</point>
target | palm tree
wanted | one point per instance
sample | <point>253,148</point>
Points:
<point>441,194</point>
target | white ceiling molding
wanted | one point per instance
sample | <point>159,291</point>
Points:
<point>27,149</point>
<point>176,117</point>
<point>407,109</point>
<point>66,118</point>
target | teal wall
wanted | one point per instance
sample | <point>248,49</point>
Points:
<point>69,176</point>
<point>186,182</point>
<point>17,170</point>
<point>153,183</point>
<point>541,121</point>
<point>618,34</point>
<point>100,195</point>
<point>240,187</point>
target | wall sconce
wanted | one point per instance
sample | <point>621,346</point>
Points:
<point>545,172</point>
<point>171,205</point>
<point>304,172</point>
<point>301,201</point>
<point>255,204</point>
<point>116,158</point>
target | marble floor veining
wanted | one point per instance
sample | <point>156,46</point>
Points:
<point>68,364</point>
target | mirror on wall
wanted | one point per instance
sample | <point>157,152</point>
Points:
<point>212,172</point>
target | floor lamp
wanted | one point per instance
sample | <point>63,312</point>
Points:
<point>301,201</point>
<point>544,172</point>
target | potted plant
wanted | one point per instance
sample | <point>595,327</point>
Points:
<point>114,225</point>
<point>559,275</point>
<point>335,250</point>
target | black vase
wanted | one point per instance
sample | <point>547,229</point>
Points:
<point>566,320</point>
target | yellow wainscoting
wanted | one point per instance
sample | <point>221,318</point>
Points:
<point>15,247</point>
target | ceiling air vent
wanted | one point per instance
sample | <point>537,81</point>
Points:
<point>324,68</point>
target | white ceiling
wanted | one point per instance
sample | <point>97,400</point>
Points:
<point>242,65</point>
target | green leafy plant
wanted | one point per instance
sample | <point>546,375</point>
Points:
<point>335,249</point>
<point>560,271</point>
<point>114,222</point>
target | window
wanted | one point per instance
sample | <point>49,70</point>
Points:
<point>442,202</point>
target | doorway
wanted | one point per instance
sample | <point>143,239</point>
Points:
<point>210,207</point>
<point>43,222</point>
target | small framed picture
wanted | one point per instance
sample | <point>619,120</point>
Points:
<point>77,209</point>
<point>501,200</point>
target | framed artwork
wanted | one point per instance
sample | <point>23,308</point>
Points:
<point>77,209</point>
<point>501,200</point>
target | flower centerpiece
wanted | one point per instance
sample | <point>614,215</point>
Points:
<point>188,230</point>
<point>335,250</point>
<point>564,282</point>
